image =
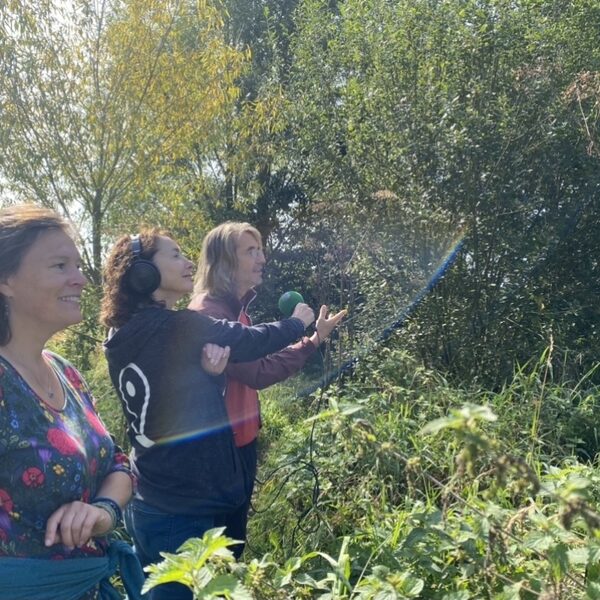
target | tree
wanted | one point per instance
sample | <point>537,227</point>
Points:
<point>457,109</point>
<point>104,102</point>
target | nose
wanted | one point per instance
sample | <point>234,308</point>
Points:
<point>261,258</point>
<point>79,279</point>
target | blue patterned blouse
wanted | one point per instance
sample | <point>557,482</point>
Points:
<point>48,458</point>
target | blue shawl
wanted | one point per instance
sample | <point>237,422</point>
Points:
<point>69,579</point>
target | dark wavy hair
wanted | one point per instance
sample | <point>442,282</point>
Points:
<point>119,302</point>
<point>20,227</point>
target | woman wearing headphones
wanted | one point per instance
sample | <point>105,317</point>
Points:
<point>189,476</point>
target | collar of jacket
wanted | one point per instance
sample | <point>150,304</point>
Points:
<point>237,305</point>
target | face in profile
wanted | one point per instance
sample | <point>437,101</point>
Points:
<point>45,292</point>
<point>250,263</point>
<point>176,271</point>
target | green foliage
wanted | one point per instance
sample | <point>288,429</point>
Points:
<point>424,490</point>
<point>478,112</point>
<point>102,117</point>
<point>200,565</point>
<point>311,118</point>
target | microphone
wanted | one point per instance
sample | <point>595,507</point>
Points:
<point>287,303</point>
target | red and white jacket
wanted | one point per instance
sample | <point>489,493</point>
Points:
<point>243,379</point>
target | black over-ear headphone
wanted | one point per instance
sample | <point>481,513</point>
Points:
<point>142,276</point>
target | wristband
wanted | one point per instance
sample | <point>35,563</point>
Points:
<point>111,507</point>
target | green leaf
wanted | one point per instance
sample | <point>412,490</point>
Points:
<point>510,592</point>
<point>592,590</point>
<point>460,419</point>
<point>225,585</point>
<point>559,560</point>
<point>578,556</point>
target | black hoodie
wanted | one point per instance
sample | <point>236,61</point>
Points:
<point>183,451</point>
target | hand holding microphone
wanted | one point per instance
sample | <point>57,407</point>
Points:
<point>305,313</point>
<point>289,303</point>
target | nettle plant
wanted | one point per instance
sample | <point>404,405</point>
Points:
<point>477,523</point>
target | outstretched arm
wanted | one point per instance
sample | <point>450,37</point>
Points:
<point>250,343</point>
<point>281,365</point>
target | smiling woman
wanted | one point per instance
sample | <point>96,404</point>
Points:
<point>63,483</point>
<point>176,272</point>
<point>189,473</point>
<point>43,295</point>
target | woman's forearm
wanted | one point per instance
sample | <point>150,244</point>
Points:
<point>117,486</point>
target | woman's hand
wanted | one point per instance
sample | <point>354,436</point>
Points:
<point>75,523</point>
<point>326,324</point>
<point>214,358</point>
<point>305,313</point>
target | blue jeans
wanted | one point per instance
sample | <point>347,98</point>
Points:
<point>236,521</point>
<point>155,531</point>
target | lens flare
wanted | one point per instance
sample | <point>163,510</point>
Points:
<point>380,266</point>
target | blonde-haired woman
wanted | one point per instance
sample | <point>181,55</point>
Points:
<point>231,265</point>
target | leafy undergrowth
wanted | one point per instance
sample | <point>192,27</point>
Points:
<point>399,485</point>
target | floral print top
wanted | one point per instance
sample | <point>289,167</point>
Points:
<point>48,458</point>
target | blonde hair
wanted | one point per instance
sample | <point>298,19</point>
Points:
<point>218,258</point>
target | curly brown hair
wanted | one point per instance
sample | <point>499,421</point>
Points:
<point>119,302</point>
<point>20,227</point>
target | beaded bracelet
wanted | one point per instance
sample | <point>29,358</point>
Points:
<point>111,507</point>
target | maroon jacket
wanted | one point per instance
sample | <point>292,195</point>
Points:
<point>243,379</point>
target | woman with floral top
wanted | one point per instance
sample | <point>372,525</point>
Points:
<point>63,482</point>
